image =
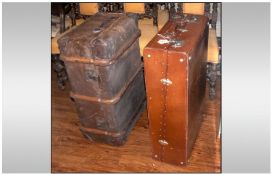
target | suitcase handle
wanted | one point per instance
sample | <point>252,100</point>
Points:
<point>92,76</point>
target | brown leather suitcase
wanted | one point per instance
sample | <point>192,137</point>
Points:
<point>103,62</point>
<point>174,64</point>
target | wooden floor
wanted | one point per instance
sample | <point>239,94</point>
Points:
<point>71,152</point>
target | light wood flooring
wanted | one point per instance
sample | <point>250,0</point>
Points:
<point>71,152</point>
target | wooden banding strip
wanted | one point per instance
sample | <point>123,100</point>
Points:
<point>113,100</point>
<point>102,132</point>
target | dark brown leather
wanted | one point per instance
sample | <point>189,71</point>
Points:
<point>174,109</point>
<point>103,62</point>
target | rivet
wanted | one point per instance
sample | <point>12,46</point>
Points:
<point>181,163</point>
<point>156,155</point>
<point>148,55</point>
<point>163,142</point>
<point>190,57</point>
<point>181,60</point>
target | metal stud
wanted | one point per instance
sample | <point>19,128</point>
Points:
<point>148,56</point>
<point>166,81</point>
<point>181,60</point>
<point>163,142</point>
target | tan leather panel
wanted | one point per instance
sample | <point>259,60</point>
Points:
<point>213,50</point>
<point>194,8</point>
<point>145,21</point>
<point>54,46</point>
<point>163,17</point>
<point>134,8</point>
<point>88,8</point>
<point>148,31</point>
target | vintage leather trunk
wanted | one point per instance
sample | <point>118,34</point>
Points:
<point>103,62</point>
<point>174,64</point>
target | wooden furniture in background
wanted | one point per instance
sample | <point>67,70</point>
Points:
<point>138,8</point>
<point>87,9</point>
<point>61,10</point>
<point>213,55</point>
<point>213,48</point>
<point>64,9</point>
<point>163,16</point>
<point>193,8</point>
<point>146,22</point>
<point>114,7</point>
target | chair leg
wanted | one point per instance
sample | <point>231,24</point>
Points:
<point>212,77</point>
<point>73,14</point>
<point>62,22</point>
<point>59,68</point>
<point>155,14</point>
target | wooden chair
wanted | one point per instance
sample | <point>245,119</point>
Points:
<point>111,7</point>
<point>61,10</point>
<point>88,9</point>
<point>146,22</point>
<point>193,8</point>
<point>213,61</point>
<point>213,48</point>
<point>138,8</point>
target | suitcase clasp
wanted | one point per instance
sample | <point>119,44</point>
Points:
<point>166,82</point>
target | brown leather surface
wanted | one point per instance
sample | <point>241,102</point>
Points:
<point>174,109</point>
